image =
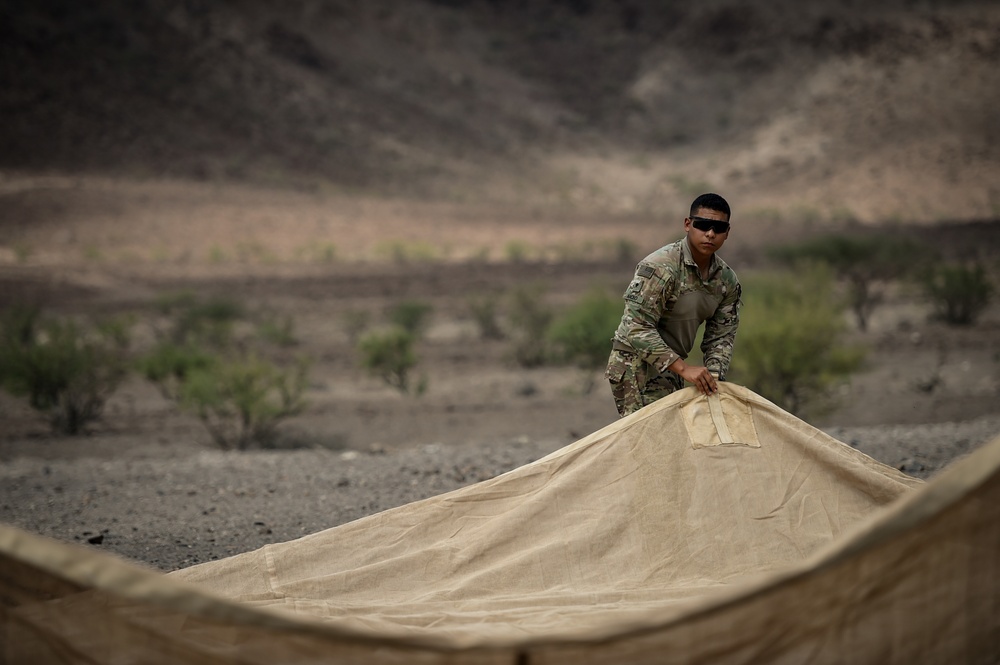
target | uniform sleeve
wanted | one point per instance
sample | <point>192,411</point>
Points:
<point>645,301</point>
<point>720,332</point>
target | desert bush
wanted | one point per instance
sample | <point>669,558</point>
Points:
<point>790,345</point>
<point>327,253</point>
<point>168,366</point>
<point>529,318</point>
<point>408,251</point>
<point>199,363</point>
<point>958,293</point>
<point>582,334</point>
<point>516,251</point>
<point>277,330</point>
<point>217,255</point>
<point>66,371</point>
<point>411,316</point>
<point>389,355</point>
<point>241,401</point>
<point>863,262</point>
<point>203,321</point>
<point>485,313</point>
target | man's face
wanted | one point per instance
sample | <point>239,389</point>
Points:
<point>704,243</point>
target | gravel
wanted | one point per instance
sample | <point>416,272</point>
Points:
<point>173,512</point>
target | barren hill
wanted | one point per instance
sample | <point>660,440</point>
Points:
<point>877,111</point>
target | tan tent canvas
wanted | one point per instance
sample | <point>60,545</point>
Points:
<point>698,530</point>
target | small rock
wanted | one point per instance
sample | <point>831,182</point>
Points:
<point>911,466</point>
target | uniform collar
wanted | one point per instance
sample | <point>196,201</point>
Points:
<point>714,264</point>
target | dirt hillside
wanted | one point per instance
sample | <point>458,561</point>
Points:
<point>813,111</point>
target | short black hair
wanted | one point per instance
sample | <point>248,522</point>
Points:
<point>712,202</point>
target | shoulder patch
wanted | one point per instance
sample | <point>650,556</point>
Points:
<point>645,271</point>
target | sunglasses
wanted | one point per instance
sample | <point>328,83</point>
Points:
<point>704,224</point>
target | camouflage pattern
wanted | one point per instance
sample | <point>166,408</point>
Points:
<point>631,385</point>
<point>665,304</point>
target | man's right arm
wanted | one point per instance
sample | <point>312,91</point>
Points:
<point>645,301</point>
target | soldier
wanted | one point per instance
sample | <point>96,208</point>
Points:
<point>675,290</point>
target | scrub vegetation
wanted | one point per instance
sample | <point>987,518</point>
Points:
<point>790,346</point>
<point>581,335</point>
<point>528,320</point>
<point>389,352</point>
<point>66,369</point>
<point>209,359</point>
<point>958,293</point>
<point>865,264</point>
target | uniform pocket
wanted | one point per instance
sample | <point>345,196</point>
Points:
<point>617,367</point>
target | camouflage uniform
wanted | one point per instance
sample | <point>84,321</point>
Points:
<point>665,304</point>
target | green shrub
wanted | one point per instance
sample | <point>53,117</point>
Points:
<point>516,251</point>
<point>582,334</point>
<point>485,312</point>
<point>239,396</point>
<point>327,253</point>
<point>202,321</point>
<point>277,330</point>
<point>789,347</point>
<point>958,293</point>
<point>168,365</point>
<point>242,401</point>
<point>862,261</point>
<point>408,251</point>
<point>389,355</point>
<point>67,372</point>
<point>217,255</point>
<point>411,316</point>
<point>529,317</point>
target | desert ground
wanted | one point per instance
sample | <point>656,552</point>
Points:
<point>146,481</point>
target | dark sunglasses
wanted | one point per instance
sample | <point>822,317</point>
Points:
<point>704,224</point>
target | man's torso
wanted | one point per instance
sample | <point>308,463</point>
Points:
<point>668,281</point>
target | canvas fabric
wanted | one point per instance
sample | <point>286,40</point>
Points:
<point>696,530</point>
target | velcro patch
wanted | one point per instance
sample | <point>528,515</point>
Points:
<point>645,271</point>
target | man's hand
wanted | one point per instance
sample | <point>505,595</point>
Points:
<point>697,375</point>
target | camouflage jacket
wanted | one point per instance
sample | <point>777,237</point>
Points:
<point>667,302</point>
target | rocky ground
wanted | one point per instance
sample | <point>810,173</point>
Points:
<point>174,509</point>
